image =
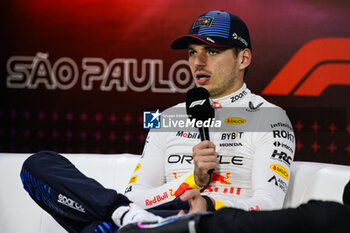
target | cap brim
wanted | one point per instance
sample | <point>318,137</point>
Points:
<point>181,42</point>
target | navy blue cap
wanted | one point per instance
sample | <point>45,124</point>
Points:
<point>217,28</point>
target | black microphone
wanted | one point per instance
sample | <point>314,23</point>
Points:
<point>199,106</point>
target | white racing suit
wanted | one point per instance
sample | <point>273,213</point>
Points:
<point>255,144</point>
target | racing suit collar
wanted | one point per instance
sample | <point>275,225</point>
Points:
<point>233,98</point>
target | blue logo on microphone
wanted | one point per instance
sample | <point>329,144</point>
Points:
<point>151,119</point>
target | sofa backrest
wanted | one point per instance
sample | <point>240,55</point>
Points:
<point>18,213</point>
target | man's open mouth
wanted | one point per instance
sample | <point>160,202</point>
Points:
<point>202,76</point>
<point>202,79</point>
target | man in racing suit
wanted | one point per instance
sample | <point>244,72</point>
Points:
<point>253,167</point>
<point>250,151</point>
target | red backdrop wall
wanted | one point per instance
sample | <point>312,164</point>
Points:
<point>75,76</point>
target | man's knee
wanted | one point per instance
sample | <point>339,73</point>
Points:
<point>42,160</point>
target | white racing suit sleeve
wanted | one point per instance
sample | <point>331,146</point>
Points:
<point>270,175</point>
<point>148,187</point>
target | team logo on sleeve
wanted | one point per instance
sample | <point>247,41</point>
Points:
<point>280,170</point>
<point>284,134</point>
<point>281,156</point>
<point>279,183</point>
<point>283,145</point>
<point>253,108</point>
<point>156,199</point>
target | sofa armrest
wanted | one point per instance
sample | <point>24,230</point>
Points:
<point>19,213</point>
<point>320,181</point>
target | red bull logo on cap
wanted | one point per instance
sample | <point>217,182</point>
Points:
<point>203,21</point>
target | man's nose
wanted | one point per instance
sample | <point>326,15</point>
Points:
<point>200,59</point>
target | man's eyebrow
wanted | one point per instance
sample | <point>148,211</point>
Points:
<point>209,47</point>
<point>190,47</point>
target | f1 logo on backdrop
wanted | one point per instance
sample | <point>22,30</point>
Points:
<point>151,119</point>
<point>317,65</point>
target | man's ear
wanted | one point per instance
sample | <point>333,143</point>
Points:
<point>245,57</point>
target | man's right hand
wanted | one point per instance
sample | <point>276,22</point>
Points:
<point>205,159</point>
